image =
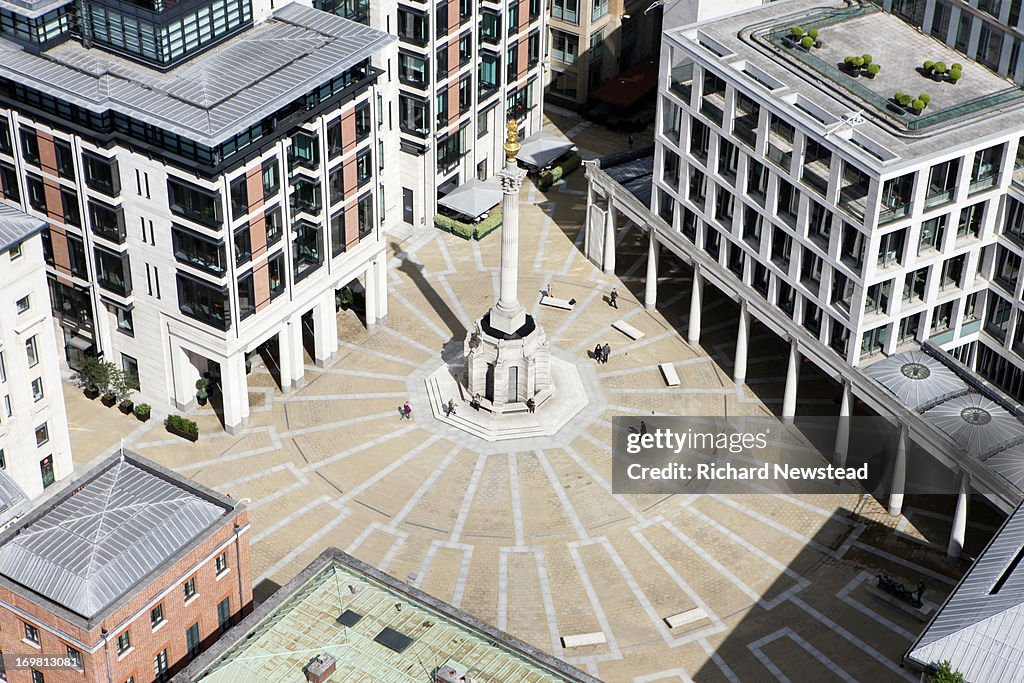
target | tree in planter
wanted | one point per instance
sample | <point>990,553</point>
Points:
<point>807,42</point>
<point>94,376</point>
<point>183,425</point>
<point>903,99</point>
<point>873,70</point>
<point>111,394</point>
<point>201,394</point>
<point>122,391</point>
<point>142,411</point>
<point>956,72</point>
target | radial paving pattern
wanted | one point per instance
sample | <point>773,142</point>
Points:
<point>528,536</point>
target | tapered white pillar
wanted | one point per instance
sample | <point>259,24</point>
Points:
<point>739,366</point>
<point>959,531</point>
<point>235,392</point>
<point>696,296</point>
<point>651,284</point>
<point>792,379</point>
<point>325,329</point>
<point>843,426</point>
<point>609,239</point>
<point>899,474</point>
<point>370,294</point>
<point>292,367</point>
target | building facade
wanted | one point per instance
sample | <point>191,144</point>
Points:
<point>464,68</point>
<point>203,204</point>
<point>135,603</point>
<point>34,447</point>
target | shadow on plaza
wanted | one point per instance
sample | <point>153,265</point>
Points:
<point>929,510</point>
<point>436,299</point>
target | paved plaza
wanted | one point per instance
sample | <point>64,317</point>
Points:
<point>527,535</point>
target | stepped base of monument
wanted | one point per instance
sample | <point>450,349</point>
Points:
<point>555,407</point>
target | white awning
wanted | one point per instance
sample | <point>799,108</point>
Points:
<point>541,148</point>
<point>473,198</point>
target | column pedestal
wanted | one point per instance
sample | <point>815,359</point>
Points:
<point>235,389</point>
<point>325,330</point>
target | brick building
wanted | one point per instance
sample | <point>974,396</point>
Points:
<point>129,574</point>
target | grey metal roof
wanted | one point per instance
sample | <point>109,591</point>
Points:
<point>16,225</point>
<point>541,148</point>
<point>215,95</point>
<point>917,379</point>
<point>103,539</point>
<point>981,630</point>
<point>636,175</point>
<point>13,501</point>
<point>980,425</point>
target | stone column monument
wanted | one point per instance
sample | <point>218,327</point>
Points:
<point>507,360</point>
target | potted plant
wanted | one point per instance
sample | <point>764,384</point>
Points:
<point>938,70</point>
<point>902,99</point>
<point>813,33</point>
<point>109,393</point>
<point>94,376</point>
<point>142,411</point>
<point>201,394</point>
<point>182,426</point>
<point>929,67</point>
<point>873,70</point>
<point>956,72</point>
<point>807,43</point>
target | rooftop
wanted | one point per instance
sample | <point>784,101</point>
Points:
<point>814,85</point>
<point>16,226</point>
<point>215,95</point>
<point>32,8</point>
<point>99,540</point>
<point>980,628</point>
<point>376,627</point>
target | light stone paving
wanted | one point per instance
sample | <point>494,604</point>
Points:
<point>527,535</point>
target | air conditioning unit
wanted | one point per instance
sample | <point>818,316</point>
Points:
<point>320,668</point>
<point>452,672</point>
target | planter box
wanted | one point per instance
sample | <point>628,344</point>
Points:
<point>126,408</point>
<point>108,401</point>
<point>143,418</point>
<point>91,394</point>
<point>184,435</point>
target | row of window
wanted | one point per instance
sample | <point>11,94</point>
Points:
<point>569,10</point>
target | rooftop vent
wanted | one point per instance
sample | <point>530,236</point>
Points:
<point>349,618</point>
<point>320,668</point>
<point>393,640</point>
<point>452,672</point>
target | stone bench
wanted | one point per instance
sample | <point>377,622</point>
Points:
<point>558,303</point>
<point>627,329</point>
<point>687,617</point>
<point>584,639</point>
<point>669,371</point>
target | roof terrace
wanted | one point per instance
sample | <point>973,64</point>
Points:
<point>756,50</point>
<point>900,50</point>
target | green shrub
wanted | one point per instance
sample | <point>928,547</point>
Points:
<point>940,67</point>
<point>143,409</point>
<point>902,98</point>
<point>555,173</point>
<point>867,58</point>
<point>807,42</point>
<point>858,62</point>
<point>848,61</point>
<point>813,33</point>
<point>926,98</point>
<point>945,673</point>
<point>183,424</point>
<point>955,74</point>
<point>873,69</point>
<point>956,65</point>
<point>929,66</point>
<point>917,105</point>
<point>469,230</point>
<point>797,32</point>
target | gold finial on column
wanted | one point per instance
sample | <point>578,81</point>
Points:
<point>512,140</point>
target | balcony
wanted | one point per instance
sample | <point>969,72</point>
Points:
<point>854,198</point>
<point>713,107</point>
<point>682,81</point>
<point>780,152</point>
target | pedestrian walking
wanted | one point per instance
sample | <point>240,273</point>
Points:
<point>548,290</point>
<point>407,411</point>
<point>613,298</point>
<point>530,404</point>
<point>643,427</point>
<point>475,403</point>
<point>451,407</point>
<point>597,352</point>
<point>606,353</point>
